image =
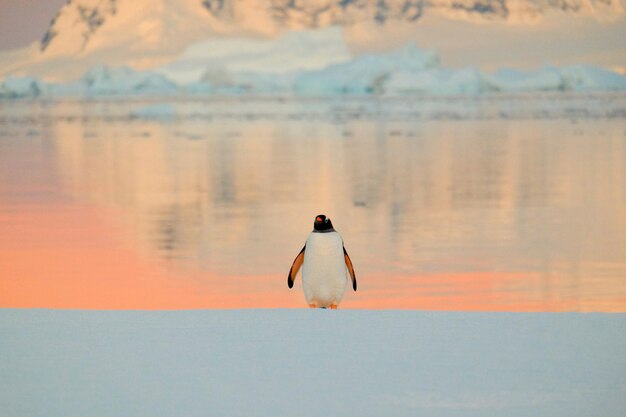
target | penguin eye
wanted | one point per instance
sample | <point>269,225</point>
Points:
<point>326,221</point>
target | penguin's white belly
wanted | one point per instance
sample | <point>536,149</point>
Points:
<point>324,269</point>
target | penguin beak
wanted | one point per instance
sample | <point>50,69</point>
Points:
<point>318,220</point>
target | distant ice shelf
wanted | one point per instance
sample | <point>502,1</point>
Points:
<point>278,68</point>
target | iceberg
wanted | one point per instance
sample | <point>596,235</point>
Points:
<point>436,82</point>
<point>366,74</point>
<point>589,78</point>
<point>104,81</point>
<point>223,82</point>
<point>311,63</point>
<point>510,80</point>
<point>411,70</point>
<point>293,52</point>
<point>569,78</point>
<point>21,87</point>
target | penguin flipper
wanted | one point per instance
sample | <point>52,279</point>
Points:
<point>295,267</point>
<point>350,268</point>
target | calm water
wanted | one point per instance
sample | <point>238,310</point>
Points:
<point>207,204</point>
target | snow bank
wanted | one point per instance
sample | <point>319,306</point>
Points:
<point>311,363</point>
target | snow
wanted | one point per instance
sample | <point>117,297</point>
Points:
<point>313,62</point>
<point>259,56</point>
<point>148,34</point>
<point>140,27</point>
<point>569,78</point>
<point>159,25</point>
<point>117,81</point>
<point>589,78</point>
<point>365,74</point>
<point>511,80</point>
<point>408,71</point>
<point>21,87</point>
<point>520,11</point>
<point>311,363</point>
<point>102,80</point>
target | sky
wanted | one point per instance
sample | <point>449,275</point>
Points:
<point>23,21</point>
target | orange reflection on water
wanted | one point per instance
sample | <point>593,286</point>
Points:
<point>101,212</point>
<point>66,259</point>
<point>70,258</point>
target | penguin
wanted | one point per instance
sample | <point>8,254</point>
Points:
<point>324,261</point>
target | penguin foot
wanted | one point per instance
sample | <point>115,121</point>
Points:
<point>312,306</point>
<point>333,306</point>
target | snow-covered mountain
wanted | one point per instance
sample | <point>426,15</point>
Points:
<point>252,45</point>
<point>85,25</point>
<point>312,13</point>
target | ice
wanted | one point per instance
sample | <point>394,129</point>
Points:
<point>510,80</point>
<point>293,52</point>
<point>159,111</point>
<point>366,74</point>
<point>311,363</point>
<point>102,80</point>
<point>569,78</point>
<point>114,81</point>
<point>313,63</point>
<point>147,34</point>
<point>436,81</point>
<point>590,78</point>
<point>411,70</point>
<point>21,87</point>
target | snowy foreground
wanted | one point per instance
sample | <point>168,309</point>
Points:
<point>311,363</point>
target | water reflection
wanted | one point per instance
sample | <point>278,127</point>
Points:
<point>474,214</point>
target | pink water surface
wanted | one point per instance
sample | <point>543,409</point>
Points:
<point>491,215</point>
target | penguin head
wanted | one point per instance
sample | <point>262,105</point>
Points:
<point>322,223</point>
